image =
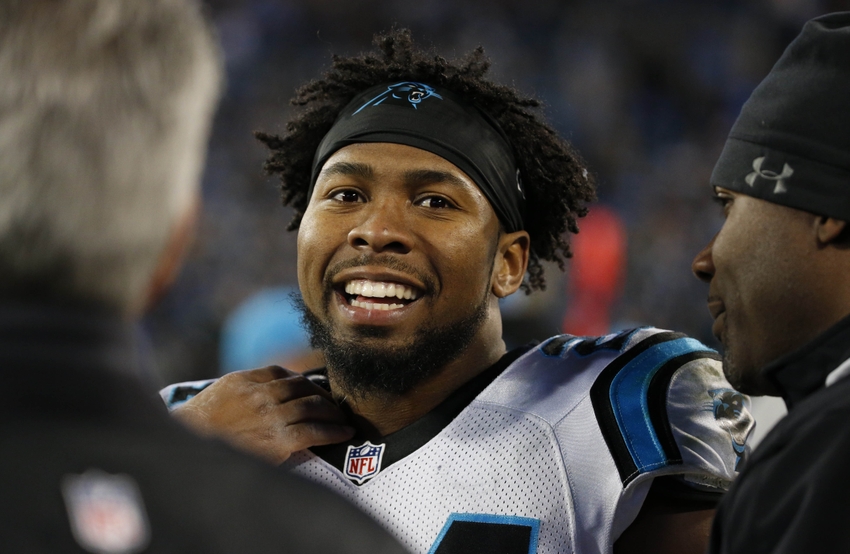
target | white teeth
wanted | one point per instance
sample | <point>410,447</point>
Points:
<point>376,305</point>
<point>380,289</point>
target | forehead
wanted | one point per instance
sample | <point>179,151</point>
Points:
<point>387,159</point>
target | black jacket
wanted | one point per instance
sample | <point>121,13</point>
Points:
<point>73,410</point>
<point>792,494</point>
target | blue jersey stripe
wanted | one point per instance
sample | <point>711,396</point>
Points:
<point>628,396</point>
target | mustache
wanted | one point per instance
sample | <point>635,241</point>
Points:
<point>388,261</point>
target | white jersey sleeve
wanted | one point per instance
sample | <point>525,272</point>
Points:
<point>650,403</point>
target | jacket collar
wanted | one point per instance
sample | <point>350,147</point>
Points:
<point>63,358</point>
<point>69,333</point>
<point>805,370</point>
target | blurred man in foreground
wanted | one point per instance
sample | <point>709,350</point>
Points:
<point>424,193</point>
<point>105,108</point>
<point>778,290</point>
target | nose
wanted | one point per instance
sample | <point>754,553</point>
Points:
<point>383,229</point>
<point>703,264</point>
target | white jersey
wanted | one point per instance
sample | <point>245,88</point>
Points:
<point>557,453</point>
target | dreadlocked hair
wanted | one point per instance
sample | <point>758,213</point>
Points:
<point>557,184</point>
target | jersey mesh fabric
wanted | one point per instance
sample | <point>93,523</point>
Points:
<point>531,445</point>
<point>488,462</point>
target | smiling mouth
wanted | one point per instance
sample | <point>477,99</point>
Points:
<point>379,295</point>
<point>715,306</point>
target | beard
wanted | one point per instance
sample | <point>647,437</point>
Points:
<point>364,370</point>
<point>731,369</point>
<point>744,375</point>
<point>733,373</point>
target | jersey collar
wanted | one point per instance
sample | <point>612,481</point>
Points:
<point>405,441</point>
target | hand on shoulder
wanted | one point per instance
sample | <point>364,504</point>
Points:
<point>269,412</point>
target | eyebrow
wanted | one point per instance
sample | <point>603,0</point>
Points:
<point>413,176</point>
<point>430,176</point>
<point>349,168</point>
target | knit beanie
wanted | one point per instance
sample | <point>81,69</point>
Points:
<point>791,143</point>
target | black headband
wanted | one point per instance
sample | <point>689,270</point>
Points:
<point>418,115</point>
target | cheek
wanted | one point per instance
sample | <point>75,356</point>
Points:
<point>313,251</point>
<point>742,258</point>
<point>467,258</point>
<point>756,266</point>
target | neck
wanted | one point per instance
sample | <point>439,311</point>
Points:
<point>375,415</point>
<point>803,371</point>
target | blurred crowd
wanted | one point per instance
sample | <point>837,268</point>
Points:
<point>646,90</point>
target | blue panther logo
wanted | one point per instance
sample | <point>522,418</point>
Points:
<point>731,413</point>
<point>414,93</point>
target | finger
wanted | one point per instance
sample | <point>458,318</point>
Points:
<point>296,386</point>
<point>263,374</point>
<point>307,434</point>
<point>311,408</point>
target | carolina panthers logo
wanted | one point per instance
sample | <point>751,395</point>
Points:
<point>413,93</point>
<point>731,413</point>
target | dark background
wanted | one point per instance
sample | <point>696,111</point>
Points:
<point>646,90</point>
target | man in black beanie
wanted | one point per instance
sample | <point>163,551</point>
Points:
<point>779,294</point>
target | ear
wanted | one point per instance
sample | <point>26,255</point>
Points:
<point>511,263</point>
<point>829,229</point>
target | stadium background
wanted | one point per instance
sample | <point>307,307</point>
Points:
<point>646,90</point>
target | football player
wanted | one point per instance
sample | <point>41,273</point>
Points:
<point>424,193</point>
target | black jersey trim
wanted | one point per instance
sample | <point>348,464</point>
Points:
<point>673,491</point>
<point>657,400</point>
<point>599,397</point>
<point>405,441</point>
<point>616,431</point>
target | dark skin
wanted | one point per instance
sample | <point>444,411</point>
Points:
<point>777,279</point>
<point>393,201</point>
<point>428,217</point>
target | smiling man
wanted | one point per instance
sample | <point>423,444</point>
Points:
<point>777,274</point>
<point>424,194</point>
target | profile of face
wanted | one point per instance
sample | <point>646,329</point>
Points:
<point>760,293</point>
<point>400,257</point>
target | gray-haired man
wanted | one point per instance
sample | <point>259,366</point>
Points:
<point>105,107</point>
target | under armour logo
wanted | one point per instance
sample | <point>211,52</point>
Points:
<point>770,175</point>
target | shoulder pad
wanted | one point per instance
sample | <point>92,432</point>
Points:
<point>629,397</point>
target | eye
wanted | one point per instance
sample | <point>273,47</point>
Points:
<point>347,196</point>
<point>436,202</point>
<point>724,200</point>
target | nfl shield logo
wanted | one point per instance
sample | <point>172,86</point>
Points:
<point>363,462</point>
<point>106,512</point>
